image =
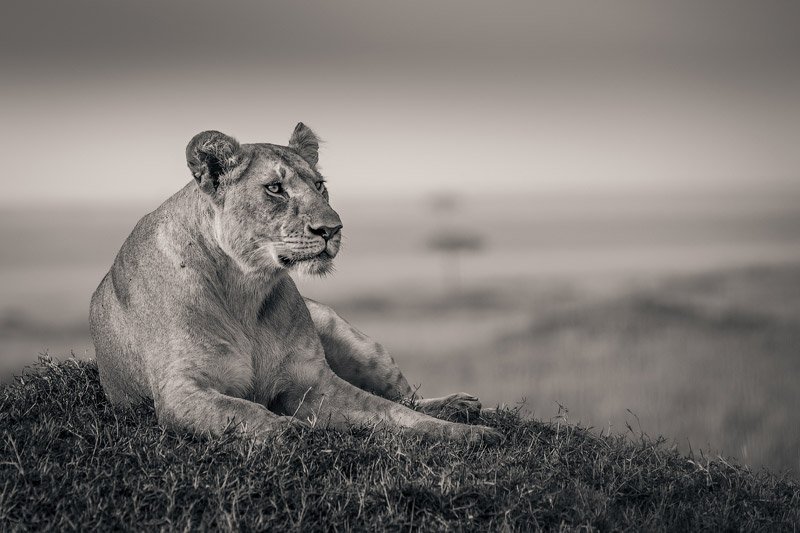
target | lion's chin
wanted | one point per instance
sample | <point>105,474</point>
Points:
<point>320,265</point>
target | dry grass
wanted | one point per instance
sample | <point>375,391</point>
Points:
<point>70,461</point>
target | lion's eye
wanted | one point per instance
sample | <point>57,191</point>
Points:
<point>320,185</point>
<point>275,188</point>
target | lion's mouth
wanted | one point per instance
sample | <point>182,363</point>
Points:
<point>288,262</point>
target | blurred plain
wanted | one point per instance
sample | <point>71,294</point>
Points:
<point>588,205</point>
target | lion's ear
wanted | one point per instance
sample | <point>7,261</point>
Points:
<point>305,143</point>
<point>211,154</point>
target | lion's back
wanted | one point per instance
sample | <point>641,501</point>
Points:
<point>117,361</point>
<point>112,319</point>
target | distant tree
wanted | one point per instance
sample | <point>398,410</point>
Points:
<point>451,239</point>
<point>444,202</point>
<point>452,244</point>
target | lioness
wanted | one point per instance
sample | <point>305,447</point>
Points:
<point>199,313</point>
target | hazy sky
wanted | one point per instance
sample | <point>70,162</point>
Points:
<point>98,99</point>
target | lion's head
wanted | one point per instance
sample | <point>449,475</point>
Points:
<point>270,203</point>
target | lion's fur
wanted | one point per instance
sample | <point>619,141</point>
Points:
<point>199,314</point>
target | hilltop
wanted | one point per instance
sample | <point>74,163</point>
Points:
<point>70,461</point>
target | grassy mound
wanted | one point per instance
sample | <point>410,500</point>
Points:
<point>70,461</point>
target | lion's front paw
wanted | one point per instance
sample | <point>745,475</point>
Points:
<point>458,407</point>
<point>284,424</point>
<point>484,435</point>
<point>452,431</point>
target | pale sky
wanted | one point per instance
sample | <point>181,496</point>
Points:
<point>98,99</point>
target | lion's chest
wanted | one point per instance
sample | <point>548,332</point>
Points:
<point>269,343</point>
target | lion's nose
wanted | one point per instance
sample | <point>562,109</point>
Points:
<point>326,232</point>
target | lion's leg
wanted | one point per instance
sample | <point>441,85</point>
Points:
<point>331,401</point>
<point>366,364</point>
<point>184,404</point>
<point>355,357</point>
